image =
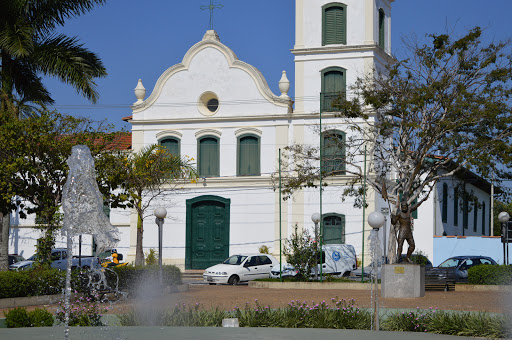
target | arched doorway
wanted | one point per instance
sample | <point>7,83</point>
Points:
<point>207,238</point>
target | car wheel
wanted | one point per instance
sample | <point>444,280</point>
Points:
<point>234,280</point>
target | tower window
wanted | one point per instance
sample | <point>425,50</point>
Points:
<point>334,24</point>
<point>382,18</point>
<point>333,87</point>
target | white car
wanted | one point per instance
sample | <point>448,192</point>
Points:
<point>240,268</point>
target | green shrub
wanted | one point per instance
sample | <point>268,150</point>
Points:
<point>46,281</point>
<point>301,251</point>
<point>38,281</point>
<point>485,274</point>
<point>84,311</point>
<point>13,284</point>
<point>151,257</point>
<point>17,317</point>
<point>40,318</point>
<point>263,250</point>
<point>132,277</point>
<point>414,321</point>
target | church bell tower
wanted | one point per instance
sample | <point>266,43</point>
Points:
<point>335,43</point>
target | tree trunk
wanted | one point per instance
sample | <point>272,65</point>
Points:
<point>139,252</point>
<point>392,256</point>
<point>4,241</point>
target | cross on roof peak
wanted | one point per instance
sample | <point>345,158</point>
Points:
<point>211,7</point>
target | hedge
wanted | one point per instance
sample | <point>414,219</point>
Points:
<point>485,274</point>
<point>137,280</point>
<point>41,281</point>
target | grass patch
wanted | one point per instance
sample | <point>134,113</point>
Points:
<point>335,314</point>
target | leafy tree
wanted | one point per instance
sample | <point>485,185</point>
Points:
<point>29,47</point>
<point>500,206</point>
<point>302,252</point>
<point>444,109</point>
<point>33,161</point>
<point>146,175</point>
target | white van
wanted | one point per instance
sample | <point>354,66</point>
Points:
<point>340,260</point>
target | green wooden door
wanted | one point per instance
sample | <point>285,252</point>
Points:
<point>207,232</point>
<point>334,229</point>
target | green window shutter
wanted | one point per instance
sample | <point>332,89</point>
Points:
<point>444,211</point>
<point>333,86</point>
<point>381,28</point>
<point>208,157</point>
<point>456,208</point>
<point>483,218</point>
<point>248,156</point>
<point>172,145</point>
<point>334,229</point>
<point>334,30</point>
<point>475,216</point>
<point>465,211</point>
<point>333,152</point>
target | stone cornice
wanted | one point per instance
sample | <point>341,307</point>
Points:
<point>206,120</point>
<point>245,181</point>
<point>340,49</point>
<point>233,62</point>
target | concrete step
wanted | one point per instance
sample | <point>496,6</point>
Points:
<point>192,274</point>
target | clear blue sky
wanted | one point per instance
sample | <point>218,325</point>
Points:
<point>141,39</point>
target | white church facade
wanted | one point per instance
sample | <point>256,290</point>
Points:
<point>220,111</point>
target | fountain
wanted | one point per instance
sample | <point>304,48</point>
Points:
<point>376,221</point>
<point>82,204</point>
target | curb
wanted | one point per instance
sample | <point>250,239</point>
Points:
<point>366,286</point>
<point>310,285</point>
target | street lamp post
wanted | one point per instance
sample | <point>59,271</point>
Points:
<point>376,221</point>
<point>316,219</point>
<point>504,217</point>
<point>160,214</point>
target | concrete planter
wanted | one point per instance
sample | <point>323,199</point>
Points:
<point>310,285</point>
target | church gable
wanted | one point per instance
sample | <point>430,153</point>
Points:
<point>210,81</point>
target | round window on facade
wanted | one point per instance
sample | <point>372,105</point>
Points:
<point>208,103</point>
<point>213,104</point>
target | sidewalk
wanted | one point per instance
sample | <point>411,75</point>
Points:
<point>155,333</point>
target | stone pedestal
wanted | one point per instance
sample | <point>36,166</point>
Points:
<point>402,280</point>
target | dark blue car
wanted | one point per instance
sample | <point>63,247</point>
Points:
<point>463,263</point>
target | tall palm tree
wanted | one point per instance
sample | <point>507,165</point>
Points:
<point>30,48</point>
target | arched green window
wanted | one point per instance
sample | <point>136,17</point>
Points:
<point>483,219</point>
<point>334,229</point>
<point>334,85</point>
<point>333,152</point>
<point>444,211</point>
<point>208,162</point>
<point>334,24</point>
<point>248,155</point>
<point>475,216</point>
<point>382,35</point>
<point>172,145</point>
<point>465,211</point>
<point>455,207</point>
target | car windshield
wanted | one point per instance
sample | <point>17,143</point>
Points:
<point>235,260</point>
<point>33,258</point>
<point>450,263</point>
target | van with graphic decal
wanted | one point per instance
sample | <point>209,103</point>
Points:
<point>338,260</point>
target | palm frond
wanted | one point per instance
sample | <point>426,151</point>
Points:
<point>63,57</point>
